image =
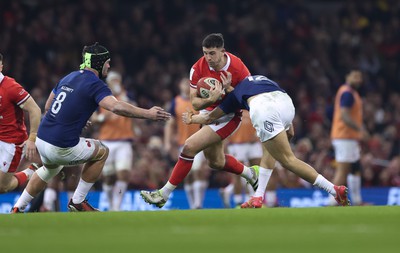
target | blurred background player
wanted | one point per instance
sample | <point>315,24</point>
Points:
<point>14,140</point>
<point>73,101</point>
<point>117,133</point>
<point>229,70</point>
<point>346,133</point>
<point>176,133</point>
<point>246,147</point>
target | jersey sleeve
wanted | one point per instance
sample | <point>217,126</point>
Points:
<point>194,76</point>
<point>100,90</point>
<point>18,95</point>
<point>347,99</point>
<point>229,104</point>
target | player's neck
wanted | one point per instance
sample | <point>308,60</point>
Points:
<point>222,64</point>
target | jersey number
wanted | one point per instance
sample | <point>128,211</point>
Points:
<point>55,108</point>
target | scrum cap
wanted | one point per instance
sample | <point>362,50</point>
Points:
<point>94,56</point>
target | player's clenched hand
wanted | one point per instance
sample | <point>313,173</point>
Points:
<point>158,113</point>
<point>216,92</point>
<point>226,78</point>
<point>187,116</point>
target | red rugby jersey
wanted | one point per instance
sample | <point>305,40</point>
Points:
<point>12,126</point>
<point>234,65</point>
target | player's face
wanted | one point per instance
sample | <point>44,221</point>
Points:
<point>214,57</point>
<point>1,66</point>
<point>106,67</point>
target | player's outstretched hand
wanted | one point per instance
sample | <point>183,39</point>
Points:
<point>158,113</point>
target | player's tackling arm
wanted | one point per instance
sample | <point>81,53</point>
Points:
<point>122,108</point>
<point>203,118</point>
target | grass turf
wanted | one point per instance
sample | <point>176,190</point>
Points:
<point>331,229</point>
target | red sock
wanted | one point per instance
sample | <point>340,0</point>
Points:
<point>181,169</point>
<point>21,178</point>
<point>232,165</point>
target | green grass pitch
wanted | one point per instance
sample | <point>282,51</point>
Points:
<point>330,229</point>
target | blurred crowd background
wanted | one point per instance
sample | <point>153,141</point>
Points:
<point>306,46</point>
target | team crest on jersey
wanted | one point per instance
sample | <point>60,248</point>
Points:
<point>268,126</point>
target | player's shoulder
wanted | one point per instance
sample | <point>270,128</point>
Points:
<point>235,61</point>
<point>9,82</point>
<point>200,64</point>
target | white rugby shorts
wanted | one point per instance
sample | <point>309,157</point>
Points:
<point>53,155</point>
<point>271,113</point>
<point>245,151</point>
<point>346,150</point>
<point>119,158</point>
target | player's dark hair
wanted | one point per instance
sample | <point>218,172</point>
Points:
<point>213,40</point>
<point>94,56</point>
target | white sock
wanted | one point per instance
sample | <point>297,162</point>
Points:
<point>247,173</point>
<point>354,183</point>
<point>167,189</point>
<point>238,199</point>
<point>323,183</point>
<point>23,201</point>
<point>49,199</point>
<point>108,189</point>
<point>120,188</point>
<point>270,198</point>
<point>81,191</point>
<point>189,194</point>
<point>263,179</point>
<point>197,194</point>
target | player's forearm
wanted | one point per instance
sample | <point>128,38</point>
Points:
<point>128,110</point>
<point>201,119</point>
<point>350,123</point>
<point>34,121</point>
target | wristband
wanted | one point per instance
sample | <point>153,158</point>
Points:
<point>32,137</point>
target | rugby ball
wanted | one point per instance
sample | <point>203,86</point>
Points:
<point>204,85</point>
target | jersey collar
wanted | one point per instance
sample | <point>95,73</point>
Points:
<point>228,62</point>
<point>1,77</point>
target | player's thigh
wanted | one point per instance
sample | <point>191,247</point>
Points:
<point>86,150</point>
<point>201,140</point>
<point>10,157</point>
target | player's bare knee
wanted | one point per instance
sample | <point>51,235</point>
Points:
<point>189,149</point>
